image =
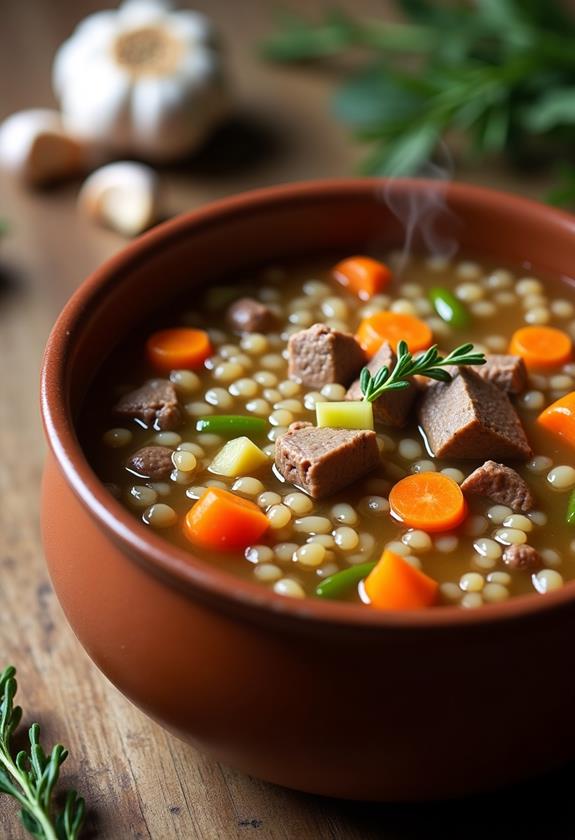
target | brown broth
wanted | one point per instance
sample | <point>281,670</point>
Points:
<point>127,369</point>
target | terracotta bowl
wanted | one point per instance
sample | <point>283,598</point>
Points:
<point>324,697</point>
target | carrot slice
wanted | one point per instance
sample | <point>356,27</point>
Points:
<point>393,327</point>
<point>429,500</point>
<point>179,347</point>
<point>395,585</point>
<point>220,520</point>
<point>362,275</point>
<point>541,347</point>
<point>559,418</point>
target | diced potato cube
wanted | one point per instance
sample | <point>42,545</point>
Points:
<point>349,414</point>
<point>239,456</point>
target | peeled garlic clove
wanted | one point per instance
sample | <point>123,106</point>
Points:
<point>123,196</point>
<point>35,146</point>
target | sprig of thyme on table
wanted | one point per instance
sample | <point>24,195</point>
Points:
<point>429,364</point>
<point>31,778</point>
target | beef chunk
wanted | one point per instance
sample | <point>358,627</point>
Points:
<point>471,418</point>
<point>323,461</point>
<point>392,408</point>
<point>507,372</point>
<point>249,315</point>
<point>523,557</point>
<point>321,355</point>
<point>154,404</point>
<point>153,462</point>
<point>501,484</point>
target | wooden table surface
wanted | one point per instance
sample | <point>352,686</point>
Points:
<point>140,782</point>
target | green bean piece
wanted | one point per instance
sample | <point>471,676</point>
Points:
<point>232,425</point>
<point>337,585</point>
<point>571,509</point>
<point>449,309</point>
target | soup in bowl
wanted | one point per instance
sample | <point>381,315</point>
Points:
<point>300,478</point>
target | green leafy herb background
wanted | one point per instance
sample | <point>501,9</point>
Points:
<point>497,74</point>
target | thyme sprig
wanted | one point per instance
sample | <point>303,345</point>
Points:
<point>429,364</point>
<point>31,778</point>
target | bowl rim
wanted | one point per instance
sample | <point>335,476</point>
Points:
<point>192,574</point>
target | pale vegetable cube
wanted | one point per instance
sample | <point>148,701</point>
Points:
<point>349,414</point>
<point>239,456</point>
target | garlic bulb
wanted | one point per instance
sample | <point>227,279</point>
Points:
<point>123,196</point>
<point>35,147</point>
<point>142,80</point>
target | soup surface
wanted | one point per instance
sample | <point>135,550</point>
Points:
<point>308,540</point>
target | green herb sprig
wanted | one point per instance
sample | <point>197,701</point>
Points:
<point>429,364</point>
<point>31,778</point>
<point>499,74</point>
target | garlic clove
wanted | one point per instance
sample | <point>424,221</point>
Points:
<point>123,196</point>
<point>35,146</point>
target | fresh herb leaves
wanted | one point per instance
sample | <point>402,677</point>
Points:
<point>429,364</point>
<point>30,778</point>
<point>500,73</point>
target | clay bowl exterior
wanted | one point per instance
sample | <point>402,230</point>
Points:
<point>322,697</point>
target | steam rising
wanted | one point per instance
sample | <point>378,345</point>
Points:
<point>425,213</point>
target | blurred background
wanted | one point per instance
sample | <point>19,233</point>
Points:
<point>482,91</point>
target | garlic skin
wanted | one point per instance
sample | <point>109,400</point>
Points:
<point>35,147</point>
<point>122,196</point>
<point>142,80</point>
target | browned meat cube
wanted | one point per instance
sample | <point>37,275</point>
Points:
<point>471,418</point>
<point>153,462</point>
<point>507,372</point>
<point>501,484</point>
<point>323,461</point>
<point>321,355</point>
<point>249,315</point>
<point>393,407</point>
<point>155,405</point>
<point>523,557</point>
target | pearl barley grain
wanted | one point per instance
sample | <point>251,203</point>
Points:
<point>417,540</point>
<point>471,582</point>
<point>562,478</point>
<point>259,554</point>
<point>344,513</point>
<point>160,516</point>
<point>244,388</point>
<point>184,461</point>
<point>510,536</point>
<point>116,438</point>
<point>546,580</point>
<point>346,538</point>
<point>185,381</point>
<point>278,516</point>
<point>312,525</point>
<point>289,588</point>
<point>374,505</point>
<point>494,593</point>
<point>310,555</point>
<point>299,503</point>
<point>267,573</point>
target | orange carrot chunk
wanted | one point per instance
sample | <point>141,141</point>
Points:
<point>362,275</point>
<point>541,347</point>
<point>559,418</point>
<point>179,347</point>
<point>395,585</point>
<point>222,521</point>
<point>393,327</point>
<point>428,500</point>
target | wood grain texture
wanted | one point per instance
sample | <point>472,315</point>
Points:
<point>139,781</point>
